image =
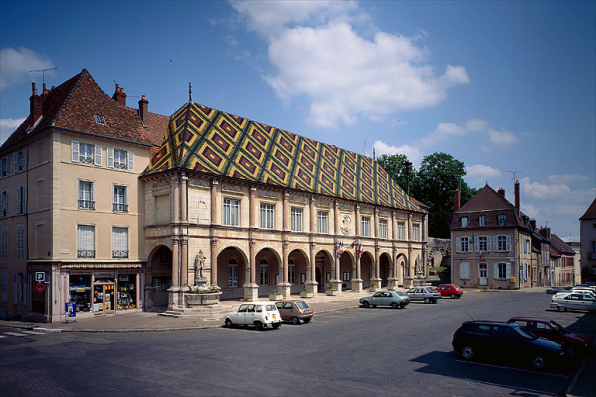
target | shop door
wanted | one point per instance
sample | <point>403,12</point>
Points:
<point>483,274</point>
<point>103,299</point>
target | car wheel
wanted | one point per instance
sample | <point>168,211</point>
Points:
<point>426,300</point>
<point>306,320</point>
<point>452,296</point>
<point>394,305</point>
<point>402,306</point>
<point>562,308</point>
<point>276,325</point>
<point>374,305</point>
<point>295,320</point>
<point>365,304</point>
<point>458,296</point>
<point>467,352</point>
<point>259,326</point>
<point>229,323</point>
<point>538,362</point>
<point>435,300</point>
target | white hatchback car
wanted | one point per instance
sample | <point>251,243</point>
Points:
<point>260,314</point>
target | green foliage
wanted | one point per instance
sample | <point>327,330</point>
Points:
<point>395,166</point>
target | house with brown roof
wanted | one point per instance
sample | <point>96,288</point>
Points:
<point>561,260</point>
<point>588,243</point>
<point>492,242</point>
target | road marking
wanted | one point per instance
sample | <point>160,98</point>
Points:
<point>33,332</point>
<point>2,336</point>
<point>14,334</point>
<point>514,368</point>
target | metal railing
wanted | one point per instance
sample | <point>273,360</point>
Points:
<point>87,204</point>
<point>85,253</point>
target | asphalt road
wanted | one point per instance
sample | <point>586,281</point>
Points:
<point>355,352</point>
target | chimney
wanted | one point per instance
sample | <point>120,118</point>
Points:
<point>143,110</point>
<point>119,95</point>
<point>501,191</point>
<point>456,200</point>
<point>533,224</point>
<point>516,190</point>
<point>45,91</point>
<point>36,103</point>
<point>545,232</point>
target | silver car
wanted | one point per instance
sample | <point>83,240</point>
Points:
<point>573,301</point>
<point>426,294</point>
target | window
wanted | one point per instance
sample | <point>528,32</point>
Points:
<point>4,286</point>
<point>86,195</point>
<point>401,231</point>
<point>501,220</point>
<point>120,159</point>
<point>20,243</point>
<point>527,246</point>
<point>99,119</point>
<point>264,272</point>
<point>85,241</point>
<point>119,242</point>
<point>4,244</point>
<point>4,167</point>
<point>416,232</point>
<point>233,273</point>
<point>86,153</point>
<point>483,244</point>
<point>231,211</point>
<point>165,255</point>
<point>365,222</point>
<point>21,199</point>
<point>463,221</point>
<point>291,271</point>
<point>296,219</point>
<point>383,229</point>
<point>20,160</point>
<point>502,271</point>
<point>482,221</point>
<point>463,244</point>
<point>502,243</point>
<point>464,270</point>
<point>119,203</point>
<point>322,224</point>
<point>4,200</point>
<point>267,216</point>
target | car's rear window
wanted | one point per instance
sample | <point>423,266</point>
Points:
<point>271,308</point>
<point>478,329</point>
<point>302,305</point>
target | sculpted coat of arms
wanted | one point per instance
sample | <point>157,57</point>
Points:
<point>346,225</point>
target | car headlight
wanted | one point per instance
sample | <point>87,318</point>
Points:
<point>586,344</point>
<point>561,353</point>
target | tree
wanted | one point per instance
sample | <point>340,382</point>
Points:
<point>395,166</point>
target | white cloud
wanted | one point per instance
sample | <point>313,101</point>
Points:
<point>7,127</point>
<point>15,64</point>
<point>480,171</point>
<point>502,137</point>
<point>531,210</point>
<point>567,178</point>
<point>478,126</point>
<point>413,154</point>
<point>312,46</point>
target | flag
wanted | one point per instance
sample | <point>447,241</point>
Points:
<point>359,251</point>
<point>352,246</point>
<point>481,255</point>
<point>341,248</point>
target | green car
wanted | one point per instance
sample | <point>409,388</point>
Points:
<point>394,299</point>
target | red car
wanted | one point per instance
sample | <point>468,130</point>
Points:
<point>451,290</point>
<point>574,343</point>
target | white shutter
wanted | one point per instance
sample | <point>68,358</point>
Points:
<point>24,199</point>
<point>508,244</point>
<point>488,245</point>
<point>98,156</point>
<point>15,158</point>
<point>496,271</point>
<point>464,270</point>
<point>495,243</point>
<point>74,148</point>
<point>7,203</point>
<point>110,153</point>
<point>476,245</point>
<point>131,161</point>
<point>24,159</point>
<point>457,244</point>
<point>508,271</point>
<point>19,190</point>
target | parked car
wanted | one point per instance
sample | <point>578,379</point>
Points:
<point>506,342</point>
<point>260,314</point>
<point>426,294</point>
<point>451,290</point>
<point>574,343</point>
<point>579,290</point>
<point>394,299</point>
<point>295,311</point>
<point>573,301</point>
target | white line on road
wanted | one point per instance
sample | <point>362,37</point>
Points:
<point>14,334</point>
<point>513,368</point>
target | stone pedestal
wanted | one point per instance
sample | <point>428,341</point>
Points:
<point>251,292</point>
<point>408,282</point>
<point>375,284</point>
<point>275,297</point>
<point>175,298</point>
<point>332,292</point>
<point>392,283</point>
<point>356,284</point>
<point>284,289</point>
<point>197,300</point>
<point>312,286</point>
<point>307,294</point>
<point>336,285</point>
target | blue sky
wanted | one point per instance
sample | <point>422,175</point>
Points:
<point>501,86</point>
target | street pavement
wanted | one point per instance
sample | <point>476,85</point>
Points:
<point>582,384</point>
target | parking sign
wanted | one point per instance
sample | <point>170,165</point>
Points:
<point>40,277</point>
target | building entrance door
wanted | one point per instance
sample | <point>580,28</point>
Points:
<point>483,274</point>
<point>103,297</point>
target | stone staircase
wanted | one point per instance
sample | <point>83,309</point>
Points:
<point>207,312</point>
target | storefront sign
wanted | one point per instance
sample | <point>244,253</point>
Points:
<point>70,309</point>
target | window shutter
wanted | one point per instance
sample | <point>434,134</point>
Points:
<point>476,245</point>
<point>19,200</point>
<point>496,270</point>
<point>7,203</point>
<point>508,243</point>
<point>24,199</point>
<point>131,161</point>
<point>488,245</point>
<point>98,156</point>
<point>15,288</point>
<point>24,159</point>
<point>457,244</point>
<point>110,153</point>
<point>508,271</point>
<point>74,148</point>
<point>1,205</point>
<point>15,158</point>
<point>464,270</point>
<point>495,243</point>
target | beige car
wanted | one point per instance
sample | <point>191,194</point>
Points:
<point>295,311</point>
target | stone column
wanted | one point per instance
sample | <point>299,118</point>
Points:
<point>357,276</point>
<point>184,199</point>
<point>176,188</point>
<point>214,242</point>
<point>286,212</point>
<point>173,298</point>
<point>376,278</point>
<point>392,281</point>
<point>251,207</point>
<point>284,286</point>
<point>335,282</point>
<point>313,216</point>
<point>311,282</point>
<point>376,221</point>
<point>184,261</point>
<point>251,289</point>
<point>214,184</point>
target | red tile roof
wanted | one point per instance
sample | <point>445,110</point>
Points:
<point>73,104</point>
<point>560,245</point>
<point>590,213</point>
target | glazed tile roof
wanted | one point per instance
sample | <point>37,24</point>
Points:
<point>590,213</point>
<point>73,104</point>
<point>216,143</point>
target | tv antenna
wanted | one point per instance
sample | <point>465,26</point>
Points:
<point>43,71</point>
<point>514,173</point>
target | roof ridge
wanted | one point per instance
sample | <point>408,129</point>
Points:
<point>72,91</point>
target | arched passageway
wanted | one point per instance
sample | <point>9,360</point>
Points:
<point>297,264</point>
<point>366,268</point>
<point>346,260</point>
<point>158,277</point>
<point>231,272</point>
<point>323,262</point>
<point>384,268</point>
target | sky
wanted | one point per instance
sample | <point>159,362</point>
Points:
<point>508,88</point>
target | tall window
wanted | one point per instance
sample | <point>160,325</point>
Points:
<point>383,229</point>
<point>233,273</point>
<point>527,246</point>
<point>119,242</point>
<point>85,241</point>
<point>401,231</point>
<point>502,270</point>
<point>20,161</point>
<point>264,272</point>
<point>416,232</point>
<point>464,244</point>
<point>120,159</point>
<point>482,221</point>
<point>20,243</point>
<point>21,199</point>
<point>86,195</point>
<point>296,219</point>
<point>463,221</point>
<point>86,153</point>
<point>4,286</point>
<point>365,222</point>
<point>501,220</point>
<point>4,244</point>
<point>291,271</point>
<point>483,243</point>
<point>267,216</point>
<point>231,211</point>
<point>503,243</point>
<point>4,196</point>
<point>119,202</point>
<point>4,167</point>
<point>322,222</point>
